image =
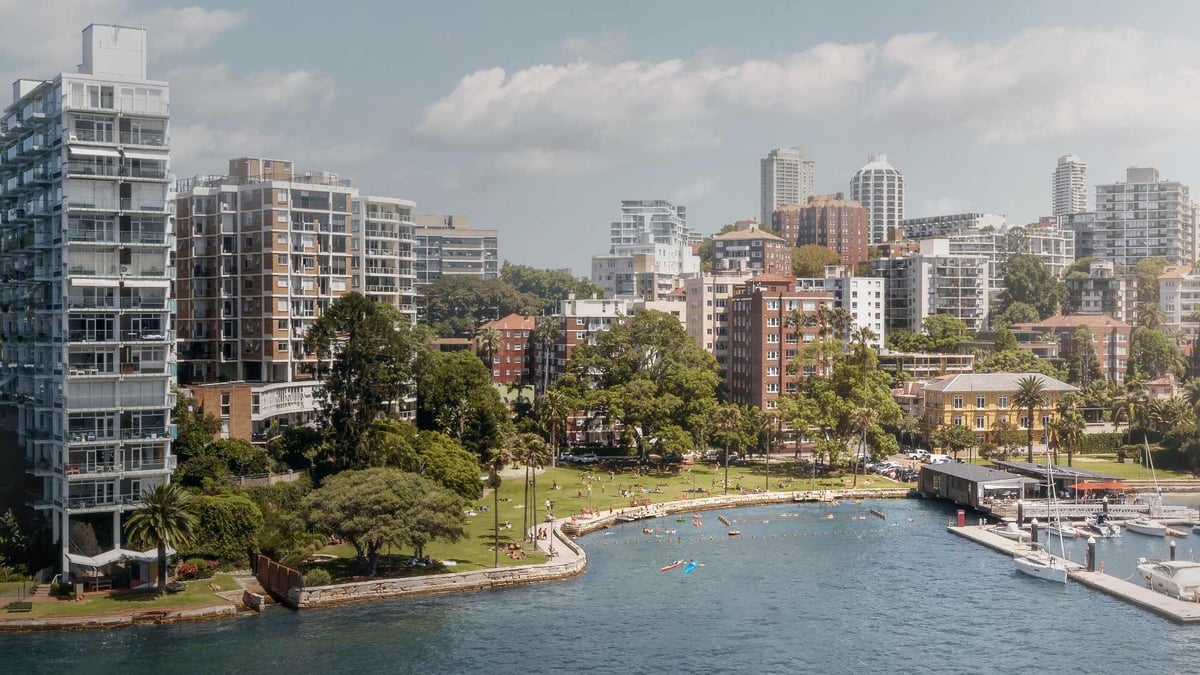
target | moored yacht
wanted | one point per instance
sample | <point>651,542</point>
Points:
<point>1099,525</point>
<point>1038,562</point>
<point>1147,526</point>
<point>1176,578</point>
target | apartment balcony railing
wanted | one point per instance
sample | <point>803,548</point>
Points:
<point>143,138</point>
<point>126,104</point>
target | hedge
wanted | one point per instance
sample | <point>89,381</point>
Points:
<point>1099,444</point>
<point>228,530</point>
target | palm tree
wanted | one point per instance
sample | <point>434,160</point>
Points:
<point>1030,395</point>
<point>1150,315</point>
<point>166,518</point>
<point>728,420</point>
<point>552,412</point>
<point>863,336</point>
<point>864,418</point>
<point>1068,432</point>
<point>533,453</point>
<point>1191,395</point>
<point>500,458</point>
<point>488,341</point>
<point>546,334</point>
<point>908,426</point>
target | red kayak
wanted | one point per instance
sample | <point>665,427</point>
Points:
<point>672,566</point>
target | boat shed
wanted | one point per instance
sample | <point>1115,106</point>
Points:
<point>1064,476</point>
<point>971,484</point>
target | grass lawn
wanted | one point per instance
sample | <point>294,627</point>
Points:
<point>1106,464</point>
<point>474,551</point>
<point>197,593</point>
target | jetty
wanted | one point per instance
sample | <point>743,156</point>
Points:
<point>1135,594</point>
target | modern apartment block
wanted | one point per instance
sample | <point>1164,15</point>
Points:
<point>1102,291</point>
<point>827,220</point>
<point>650,251</point>
<point>1051,244</point>
<point>936,281</point>
<point>879,187</point>
<point>1070,186</point>
<point>861,297</point>
<point>787,176</point>
<point>749,248</point>
<point>1143,217</point>
<point>262,252</point>
<point>1179,297</point>
<point>87,360</point>
<point>708,312</point>
<point>939,227</point>
<point>763,339</point>
<point>448,246</point>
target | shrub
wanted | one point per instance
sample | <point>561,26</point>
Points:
<point>317,576</point>
<point>185,571</point>
<point>229,528</point>
<point>16,573</point>
<point>199,568</point>
<point>1100,443</point>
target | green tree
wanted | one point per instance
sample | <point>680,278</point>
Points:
<point>455,304</point>
<point>1083,366</point>
<point>500,457</point>
<point>954,438</point>
<point>1147,270</point>
<point>1028,280</point>
<point>374,353</point>
<point>371,508</point>
<point>649,375</point>
<point>1152,355</point>
<point>222,459</point>
<point>1150,315</point>
<point>730,429</point>
<point>546,334</point>
<point>553,409</point>
<point>166,518</point>
<point>809,261</point>
<point>299,447</point>
<point>1005,341</point>
<point>1015,313</point>
<point>1016,361</point>
<point>1006,436</point>
<point>548,286</point>
<point>455,396</point>
<point>1030,397</point>
<point>399,444</point>
<point>944,332</point>
<point>1066,432</point>
<point>534,454</point>
<point>285,535</point>
<point>14,542</point>
<point>195,428</point>
<point>228,527</point>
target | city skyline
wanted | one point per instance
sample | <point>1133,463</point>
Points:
<point>462,130</point>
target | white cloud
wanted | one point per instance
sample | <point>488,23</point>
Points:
<point>200,148</point>
<point>940,207</point>
<point>216,91</point>
<point>174,30</point>
<point>553,117</point>
<point>596,47</point>
<point>1043,83</point>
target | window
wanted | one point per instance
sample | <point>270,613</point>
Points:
<point>254,404</point>
<point>772,322</point>
<point>979,422</point>
<point>772,355</point>
<point>958,421</point>
<point>772,304</point>
<point>958,401</point>
<point>1002,401</point>
<point>772,387</point>
<point>225,404</point>
<point>772,371</point>
<point>979,402</point>
<point>1024,422</point>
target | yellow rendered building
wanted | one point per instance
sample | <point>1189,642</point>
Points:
<point>979,400</point>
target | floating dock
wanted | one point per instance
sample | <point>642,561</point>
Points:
<point>1176,610</point>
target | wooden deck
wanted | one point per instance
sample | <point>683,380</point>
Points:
<point>1171,515</point>
<point>1133,593</point>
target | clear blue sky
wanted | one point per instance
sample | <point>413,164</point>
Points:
<point>538,118</point>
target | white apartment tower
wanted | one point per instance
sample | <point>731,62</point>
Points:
<point>85,309</point>
<point>1142,217</point>
<point>788,176</point>
<point>879,187</point>
<point>1070,186</point>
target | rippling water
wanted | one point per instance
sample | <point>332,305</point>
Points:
<point>796,593</point>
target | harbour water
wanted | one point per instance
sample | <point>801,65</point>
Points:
<point>796,592</point>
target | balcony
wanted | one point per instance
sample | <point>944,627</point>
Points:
<point>143,138</point>
<point>145,433</point>
<point>111,103</point>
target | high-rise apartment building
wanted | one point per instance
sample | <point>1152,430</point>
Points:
<point>262,252</point>
<point>512,362</point>
<point>1102,291</point>
<point>937,227</point>
<point>879,187</point>
<point>1070,186</point>
<point>650,251</point>
<point>826,220</point>
<point>764,340</point>
<point>1142,217</point>
<point>708,312</point>
<point>1179,297</point>
<point>861,297</point>
<point>87,360</point>
<point>448,246</point>
<point>787,176</point>
<point>936,281</point>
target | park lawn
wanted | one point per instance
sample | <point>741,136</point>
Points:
<point>474,551</point>
<point>1128,470</point>
<point>196,594</point>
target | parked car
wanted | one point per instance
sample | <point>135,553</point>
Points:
<point>588,458</point>
<point>907,475</point>
<point>712,455</point>
<point>566,458</point>
<point>884,466</point>
<point>939,459</point>
<point>917,454</point>
<point>734,457</point>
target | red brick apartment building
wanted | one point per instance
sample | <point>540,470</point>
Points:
<point>826,220</point>
<point>513,362</point>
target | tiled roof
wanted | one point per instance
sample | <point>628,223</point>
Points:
<point>1074,320</point>
<point>513,321</point>
<point>1000,382</point>
<point>739,235</point>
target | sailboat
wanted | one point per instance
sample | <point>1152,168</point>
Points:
<point>1038,561</point>
<point>1147,525</point>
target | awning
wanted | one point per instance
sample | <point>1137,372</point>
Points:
<point>133,154</point>
<point>147,283</point>
<point>94,152</point>
<point>115,555</point>
<point>1108,485</point>
<point>94,282</point>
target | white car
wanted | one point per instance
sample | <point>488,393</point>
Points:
<point>588,458</point>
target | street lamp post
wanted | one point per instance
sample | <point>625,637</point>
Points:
<point>589,497</point>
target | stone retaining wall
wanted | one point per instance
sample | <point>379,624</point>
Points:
<point>116,620</point>
<point>324,596</point>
